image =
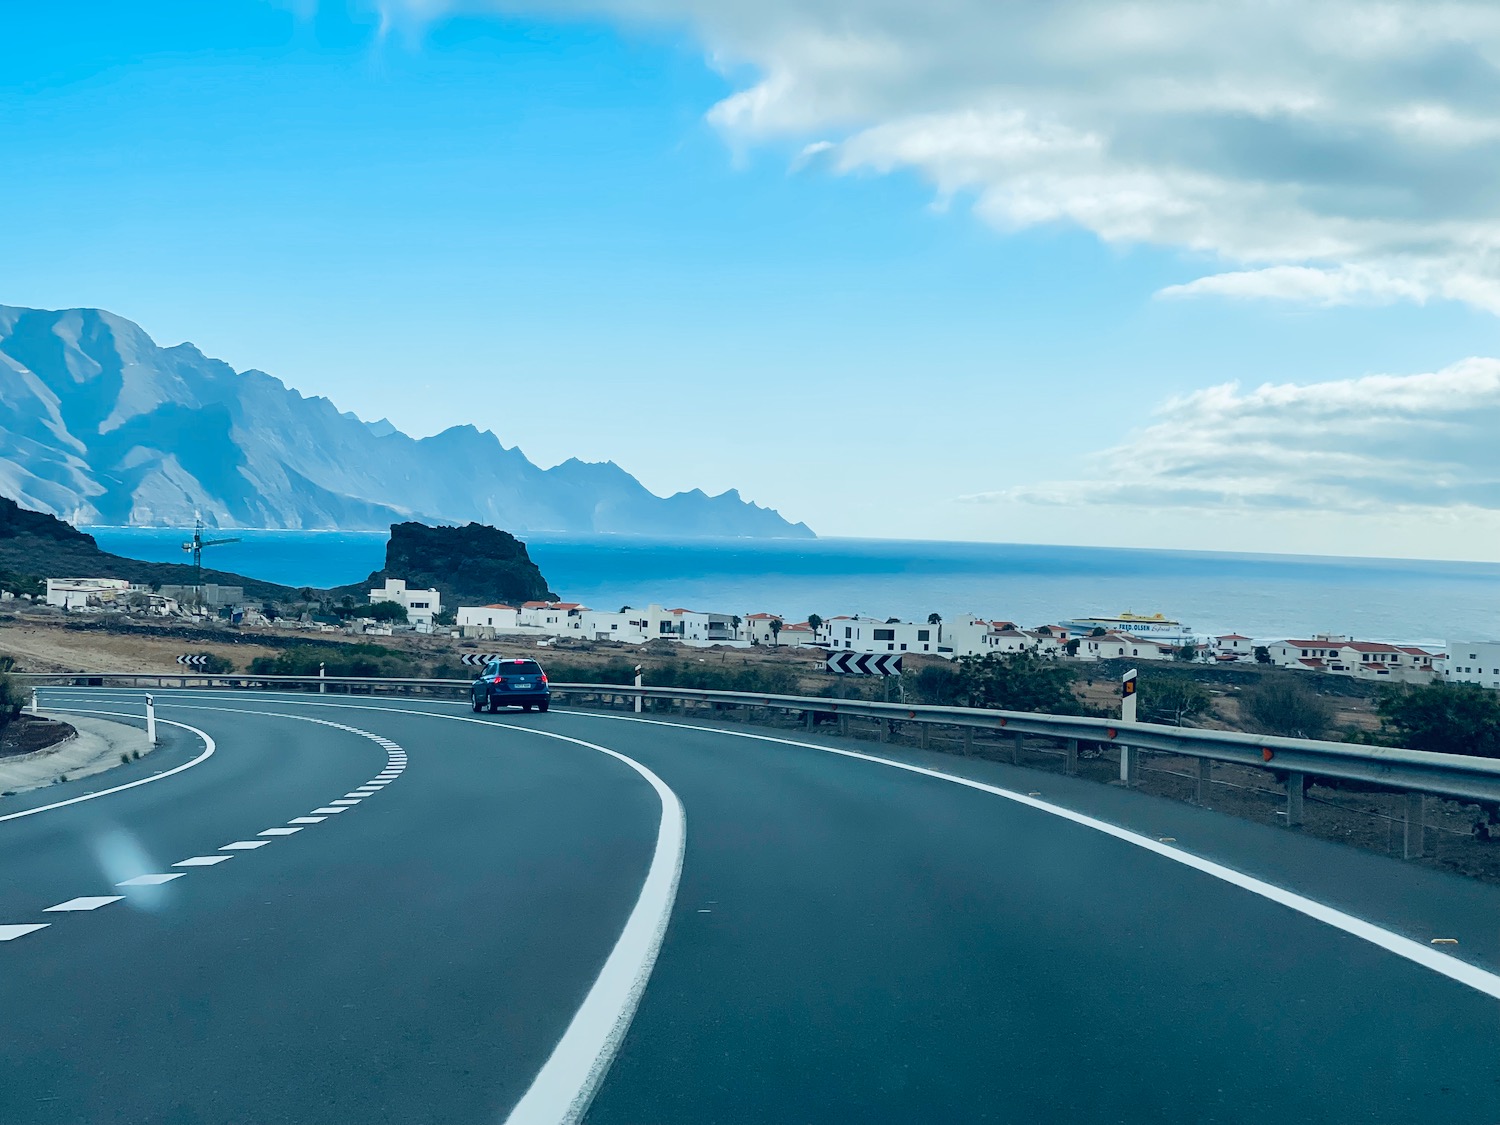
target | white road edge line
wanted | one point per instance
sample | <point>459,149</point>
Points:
<point>208,751</point>
<point>562,1090</point>
<point>1465,973</point>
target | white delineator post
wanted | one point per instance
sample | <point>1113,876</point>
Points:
<point>1127,715</point>
<point>36,708</point>
<point>638,686</point>
<point>322,674</point>
<point>150,721</point>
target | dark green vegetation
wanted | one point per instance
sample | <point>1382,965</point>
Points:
<point>11,696</point>
<point>1279,705</point>
<point>344,660</point>
<point>1019,681</point>
<point>470,565</point>
<point>1448,718</point>
<point>34,546</point>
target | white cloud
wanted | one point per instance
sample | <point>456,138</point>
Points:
<point>1358,141</point>
<point>1373,445</point>
<point>1344,285</point>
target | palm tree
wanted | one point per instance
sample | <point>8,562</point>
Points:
<point>775,630</point>
<point>936,619</point>
<point>814,622</point>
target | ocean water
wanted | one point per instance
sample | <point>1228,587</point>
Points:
<point>1263,596</point>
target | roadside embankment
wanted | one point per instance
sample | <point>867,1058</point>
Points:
<point>97,745</point>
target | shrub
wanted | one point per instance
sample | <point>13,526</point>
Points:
<point>1279,705</point>
<point>1449,718</point>
<point>1017,681</point>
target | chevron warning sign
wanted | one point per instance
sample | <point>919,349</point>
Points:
<point>193,661</point>
<point>864,663</point>
<point>478,659</point>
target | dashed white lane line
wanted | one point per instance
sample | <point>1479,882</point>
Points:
<point>562,1090</point>
<point>395,764</point>
<point>10,933</point>
<point>151,880</point>
<point>327,811</point>
<point>91,902</point>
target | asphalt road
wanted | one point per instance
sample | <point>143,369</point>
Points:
<point>504,923</point>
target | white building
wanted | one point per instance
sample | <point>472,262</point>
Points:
<point>421,605</point>
<point>1123,646</point>
<point>1339,655</point>
<point>79,593</point>
<point>1474,662</point>
<point>554,619</point>
<point>870,634</point>
<point>628,626</point>
<point>1234,647</point>
<point>498,618</point>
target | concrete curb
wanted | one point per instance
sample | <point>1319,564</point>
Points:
<point>95,748</point>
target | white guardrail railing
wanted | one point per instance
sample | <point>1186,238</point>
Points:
<point>1415,773</point>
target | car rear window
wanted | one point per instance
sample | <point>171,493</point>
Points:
<point>520,668</point>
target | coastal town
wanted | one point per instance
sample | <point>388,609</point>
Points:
<point>397,607</point>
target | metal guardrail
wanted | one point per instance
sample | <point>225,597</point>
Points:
<point>1413,772</point>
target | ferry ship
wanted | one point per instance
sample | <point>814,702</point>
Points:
<point>1155,627</point>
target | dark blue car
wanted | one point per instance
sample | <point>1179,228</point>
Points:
<point>511,683</point>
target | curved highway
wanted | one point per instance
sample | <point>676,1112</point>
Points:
<point>325,909</point>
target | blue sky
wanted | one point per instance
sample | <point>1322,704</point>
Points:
<point>579,226</point>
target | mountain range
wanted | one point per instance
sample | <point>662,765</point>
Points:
<point>100,425</point>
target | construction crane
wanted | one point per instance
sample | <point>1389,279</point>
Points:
<point>195,548</point>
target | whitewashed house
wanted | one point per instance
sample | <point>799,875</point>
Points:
<point>486,620</point>
<point>1233,647</point>
<point>421,605</point>
<point>552,619</point>
<point>1473,662</point>
<point>1123,646</point>
<point>870,634</point>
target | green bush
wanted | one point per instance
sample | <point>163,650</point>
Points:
<point>1448,718</point>
<point>12,697</point>
<point>1280,705</point>
<point>1016,681</point>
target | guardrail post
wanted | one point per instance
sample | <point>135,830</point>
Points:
<point>1205,775</point>
<point>843,726</point>
<point>1294,783</point>
<point>968,742</point>
<point>885,729</point>
<point>926,736</point>
<point>1071,756</point>
<point>1017,740</point>
<point>1414,845</point>
<point>809,717</point>
<point>150,721</point>
<point>1129,766</point>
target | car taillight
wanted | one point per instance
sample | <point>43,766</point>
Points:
<point>544,677</point>
<point>499,679</point>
